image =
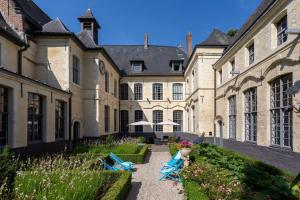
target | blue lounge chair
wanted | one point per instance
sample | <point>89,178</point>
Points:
<point>174,160</point>
<point>172,173</point>
<point>108,167</point>
<point>119,161</point>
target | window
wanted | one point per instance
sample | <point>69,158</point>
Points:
<point>106,79</point>
<point>59,119</point>
<point>137,66</point>
<point>76,70</point>
<point>157,91</point>
<point>0,55</point>
<point>251,115</point>
<point>106,118</point>
<point>281,119</point>
<point>35,118</point>
<point>3,116</point>
<point>220,77</point>
<point>251,54</point>
<point>115,88</point>
<point>176,66</point>
<point>177,91</point>
<point>178,118</point>
<point>232,64</point>
<point>232,117</point>
<point>282,27</point>
<point>138,91</point>
<point>115,119</point>
<point>157,118</point>
<point>138,116</point>
<point>124,121</point>
<point>124,91</point>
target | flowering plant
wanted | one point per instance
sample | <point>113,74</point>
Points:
<point>185,144</point>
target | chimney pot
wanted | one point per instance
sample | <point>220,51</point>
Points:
<point>146,41</point>
<point>189,45</point>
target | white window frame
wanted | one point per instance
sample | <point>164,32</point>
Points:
<point>137,67</point>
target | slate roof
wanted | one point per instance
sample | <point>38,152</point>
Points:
<point>156,58</point>
<point>33,13</point>
<point>55,26</point>
<point>87,39</point>
<point>216,38</point>
<point>8,32</point>
<point>260,10</point>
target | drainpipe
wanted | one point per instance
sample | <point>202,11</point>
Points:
<point>20,55</point>
<point>215,105</point>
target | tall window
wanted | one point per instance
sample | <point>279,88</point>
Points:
<point>157,118</point>
<point>232,117</point>
<point>281,119</point>
<point>59,119</point>
<point>232,64</point>
<point>0,54</point>
<point>124,91</point>
<point>115,119</point>
<point>76,70</point>
<point>157,91</point>
<point>35,118</point>
<point>124,121</point>
<point>106,118</point>
<point>3,116</point>
<point>115,88</point>
<point>220,77</point>
<point>138,116</point>
<point>251,54</point>
<point>251,115</point>
<point>177,91</point>
<point>106,79</point>
<point>138,91</point>
<point>282,27</point>
<point>178,118</point>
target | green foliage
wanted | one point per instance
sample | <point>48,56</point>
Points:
<point>68,185</point>
<point>172,140</point>
<point>120,188</point>
<point>136,158</point>
<point>296,180</point>
<point>193,191</point>
<point>109,140</point>
<point>172,149</point>
<point>232,32</point>
<point>141,139</point>
<point>8,170</point>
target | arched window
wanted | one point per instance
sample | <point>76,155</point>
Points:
<point>124,91</point>
<point>232,117</point>
<point>178,118</point>
<point>177,91</point>
<point>138,91</point>
<point>157,118</point>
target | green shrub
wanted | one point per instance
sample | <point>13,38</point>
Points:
<point>68,184</point>
<point>136,158</point>
<point>193,191</point>
<point>141,139</point>
<point>8,170</point>
<point>120,189</point>
<point>109,140</point>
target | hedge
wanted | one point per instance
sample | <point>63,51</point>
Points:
<point>120,189</point>
<point>193,191</point>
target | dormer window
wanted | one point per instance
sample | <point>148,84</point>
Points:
<point>176,65</point>
<point>137,66</point>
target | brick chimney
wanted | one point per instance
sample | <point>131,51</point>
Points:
<point>12,13</point>
<point>146,45</point>
<point>189,45</point>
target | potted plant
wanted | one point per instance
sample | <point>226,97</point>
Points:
<point>185,148</point>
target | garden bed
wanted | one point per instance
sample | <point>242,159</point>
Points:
<point>222,174</point>
<point>135,153</point>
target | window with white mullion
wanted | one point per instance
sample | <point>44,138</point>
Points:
<point>177,91</point>
<point>157,91</point>
<point>281,118</point>
<point>282,27</point>
<point>157,118</point>
<point>232,117</point>
<point>138,91</point>
<point>251,115</point>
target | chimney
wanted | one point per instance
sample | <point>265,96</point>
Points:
<point>189,45</point>
<point>146,41</point>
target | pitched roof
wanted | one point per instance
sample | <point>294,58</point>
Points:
<point>33,13</point>
<point>88,15</point>
<point>55,26</point>
<point>156,58</point>
<point>260,10</point>
<point>86,38</point>
<point>8,32</point>
<point>216,38</point>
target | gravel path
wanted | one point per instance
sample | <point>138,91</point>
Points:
<point>145,181</point>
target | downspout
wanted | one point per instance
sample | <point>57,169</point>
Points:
<point>20,55</point>
<point>215,105</point>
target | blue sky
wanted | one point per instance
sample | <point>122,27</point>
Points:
<point>166,21</point>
